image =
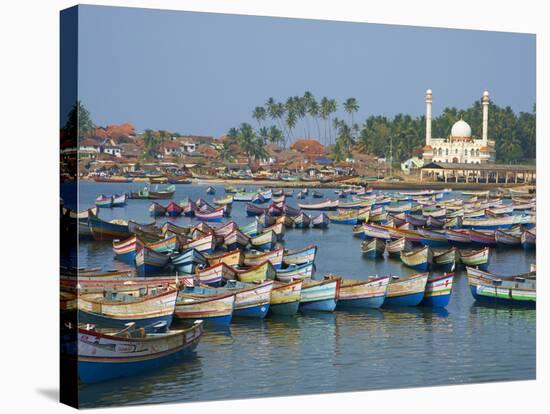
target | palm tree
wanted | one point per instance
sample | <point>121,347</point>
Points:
<point>351,106</point>
<point>332,108</point>
<point>246,138</point>
<point>232,134</point>
<point>259,114</point>
<point>275,135</point>
<point>324,112</point>
<point>226,152</point>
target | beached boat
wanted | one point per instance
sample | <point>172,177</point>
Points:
<point>113,179</point>
<point>189,260</point>
<point>255,258</point>
<point>529,238</point>
<point>323,205</point>
<point>445,259</point>
<point>178,180</point>
<point>254,210</point>
<point>156,209</point>
<point>264,241</point>
<point>406,291</point>
<point>475,258</point>
<point>107,230</point>
<point>213,308</point>
<point>162,191</point>
<point>394,248</point>
<point>320,222</point>
<point>103,201</point>
<point>119,200</point>
<point>114,309</point>
<point>285,298</point>
<point>301,256</point>
<point>419,259</point>
<point>373,248</point>
<point>258,273</point>
<point>293,272</point>
<point>505,239</point>
<point>518,289</point>
<point>105,354</point>
<point>215,275</point>
<point>125,250</point>
<point>362,294</point>
<point>319,295</point>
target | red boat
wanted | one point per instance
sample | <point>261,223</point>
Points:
<point>113,180</point>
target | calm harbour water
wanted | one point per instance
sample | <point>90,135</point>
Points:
<point>332,352</point>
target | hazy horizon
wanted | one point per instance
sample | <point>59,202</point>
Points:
<point>202,73</point>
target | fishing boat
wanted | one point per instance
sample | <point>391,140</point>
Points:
<point>378,218</point>
<point>213,308</point>
<point>457,237</point>
<point>434,223</point>
<point>188,260</point>
<point>105,354</point>
<point>204,244</point>
<point>107,230</point>
<point>285,298</point>
<point>258,199</point>
<point>293,272</point>
<point>376,232</point>
<point>156,209</point>
<point>323,205</point>
<point>210,190</point>
<point>373,248</point>
<point>319,295</point>
<point>235,240</point>
<point>415,220</point>
<point>359,232</point>
<point>518,290</point>
<point>174,209</point>
<point>188,207</point>
<point>362,294</point>
<point>169,243</point>
<point>529,238</point>
<point>125,250</point>
<point>320,222</point>
<point>215,275</point>
<point>400,208</point>
<point>256,274</point>
<point>223,201</point>
<point>225,229</point>
<point>251,229</point>
<point>302,221</point>
<point>438,291</point>
<point>491,223</point>
<point>178,180</point>
<point>244,196</point>
<point>301,256</point>
<point>406,291</point>
<point>317,194</point>
<point>255,258</point>
<point>346,218</point>
<point>113,179</point>
<point>505,239</point>
<point>103,201</point>
<point>419,259</point>
<point>394,248</point>
<point>233,258</point>
<point>445,258</point>
<point>435,213</point>
<point>285,220</point>
<point>278,229</point>
<point>162,191</point>
<point>475,258</point>
<point>149,261</point>
<point>119,200</point>
<point>264,241</point>
<point>266,220</point>
<point>485,238</point>
<point>215,215</point>
<point>275,210</point>
<point>114,309</point>
<point>142,194</point>
<point>254,210</point>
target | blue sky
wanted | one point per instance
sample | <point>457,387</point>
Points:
<point>202,73</point>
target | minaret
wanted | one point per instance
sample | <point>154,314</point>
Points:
<point>429,117</point>
<point>485,104</point>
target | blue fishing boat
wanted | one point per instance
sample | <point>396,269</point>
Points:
<point>419,259</point>
<point>119,200</point>
<point>148,260</point>
<point>285,298</point>
<point>319,295</point>
<point>406,291</point>
<point>125,250</point>
<point>301,256</point>
<point>211,307</point>
<point>320,222</point>
<point>107,230</point>
<point>116,309</point>
<point>105,354</point>
<point>438,291</point>
<point>264,241</point>
<point>294,272</point>
<point>363,294</point>
<point>103,201</point>
<point>445,259</point>
<point>374,248</point>
<point>188,260</point>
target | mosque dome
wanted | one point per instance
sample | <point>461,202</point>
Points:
<point>461,129</point>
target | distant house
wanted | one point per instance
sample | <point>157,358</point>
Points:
<point>170,149</point>
<point>130,151</point>
<point>188,146</point>
<point>413,163</point>
<point>89,145</point>
<point>113,150</point>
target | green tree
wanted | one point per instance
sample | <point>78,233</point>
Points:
<point>351,106</point>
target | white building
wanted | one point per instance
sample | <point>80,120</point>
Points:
<point>460,146</point>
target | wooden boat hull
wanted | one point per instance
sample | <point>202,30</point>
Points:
<point>320,222</point>
<point>406,292</point>
<point>148,261</point>
<point>369,294</point>
<point>374,248</point>
<point>285,298</point>
<point>479,258</point>
<point>301,256</point>
<point>294,272</point>
<point>255,259</point>
<point>104,230</point>
<point>417,259</point>
<point>188,261</point>
<point>319,296</point>
<point>214,309</point>
<point>99,361</point>
<point>438,291</point>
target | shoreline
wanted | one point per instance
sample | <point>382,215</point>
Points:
<point>377,185</point>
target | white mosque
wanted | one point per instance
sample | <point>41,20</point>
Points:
<point>460,146</point>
